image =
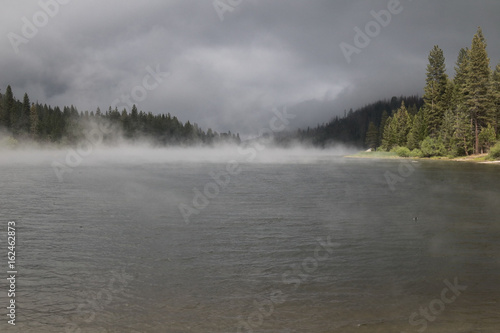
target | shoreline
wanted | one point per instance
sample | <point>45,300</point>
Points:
<point>479,159</point>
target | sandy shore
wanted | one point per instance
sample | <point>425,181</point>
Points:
<point>479,158</point>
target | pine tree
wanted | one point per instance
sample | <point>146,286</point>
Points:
<point>25,117</point>
<point>8,107</point>
<point>463,135</point>
<point>383,121</point>
<point>487,138</point>
<point>389,139</point>
<point>396,129</point>
<point>372,136</point>
<point>435,90</point>
<point>496,96</point>
<point>447,132</point>
<point>134,120</point>
<point>418,131</point>
<point>461,68</point>
<point>403,123</point>
<point>477,91</point>
<point>34,121</point>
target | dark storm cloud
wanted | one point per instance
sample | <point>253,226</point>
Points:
<point>230,74</point>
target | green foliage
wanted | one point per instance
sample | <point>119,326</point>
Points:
<point>496,95</point>
<point>448,129</point>
<point>435,90</point>
<point>372,136</point>
<point>7,107</point>
<point>477,90</point>
<point>47,124</point>
<point>396,129</point>
<point>389,137</point>
<point>416,153</point>
<point>495,152</point>
<point>418,130</point>
<point>487,137</point>
<point>353,126</point>
<point>403,152</point>
<point>34,123</point>
<point>383,122</point>
<point>432,147</point>
<point>457,114</point>
<point>9,142</point>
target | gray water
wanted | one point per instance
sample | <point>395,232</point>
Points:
<point>107,249</point>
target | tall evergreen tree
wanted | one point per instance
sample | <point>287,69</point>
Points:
<point>462,68</point>
<point>8,107</point>
<point>435,90</point>
<point>372,136</point>
<point>34,121</point>
<point>383,121</point>
<point>487,138</point>
<point>496,95</point>
<point>396,129</point>
<point>463,135</point>
<point>403,125</point>
<point>477,91</point>
<point>418,130</point>
<point>25,116</point>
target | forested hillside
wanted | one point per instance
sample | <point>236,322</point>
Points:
<point>455,117</point>
<point>25,121</point>
<point>360,126</point>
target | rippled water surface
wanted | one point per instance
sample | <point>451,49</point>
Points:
<point>321,245</point>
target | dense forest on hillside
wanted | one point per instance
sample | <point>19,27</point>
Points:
<point>455,117</point>
<point>353,127</point>
<point>26,121</point>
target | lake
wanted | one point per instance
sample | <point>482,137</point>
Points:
<point>283,241</point>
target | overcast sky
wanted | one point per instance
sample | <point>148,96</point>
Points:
<point>229,67</point>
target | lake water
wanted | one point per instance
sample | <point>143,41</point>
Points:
<point>290,243</point>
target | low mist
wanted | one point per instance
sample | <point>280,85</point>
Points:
<point>143,152</point>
